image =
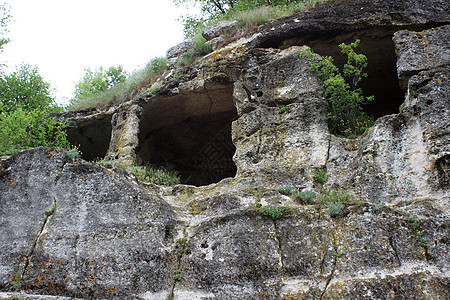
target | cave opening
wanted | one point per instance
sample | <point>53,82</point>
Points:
<point>378,47</point>
<point>91,135</point>
<point>190,133</point>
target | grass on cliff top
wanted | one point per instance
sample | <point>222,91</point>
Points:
<point>137,82</point>
<point>250,18</point>
<point>264,14</point>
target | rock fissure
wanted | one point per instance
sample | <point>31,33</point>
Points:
<point>48,214</point>
<point>397,258</point>
<point>330,277</point>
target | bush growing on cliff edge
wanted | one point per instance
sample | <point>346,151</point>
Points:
<point>345,116</point>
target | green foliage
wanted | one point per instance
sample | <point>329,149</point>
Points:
<point>51,210</point>
<point>16,281</point>
<point>5,18</point>
<point>248,13</point>
<point>273,212</point>
<point>122,90</point>
<point>24,88</point>
<point>335,196</point>
<point>177,276</point>
<point>376,207</point>
<point>282,109</point>
<point>201,48</point>
<point>345,116</point>
<point>97,81</point>
<point>105,163</point>
<point>416,231</point>
<point>73,153</point>
<point>304,197</point>
<point>21,129</point>
<point>335,209</point>
<point>187,58</point>
<point>182,241</point>
<point>154,175</point>
<point>285,190</point>
<point>320,176</point>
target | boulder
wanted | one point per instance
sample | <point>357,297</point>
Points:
<point>229,28</point>
<point>179,49</point>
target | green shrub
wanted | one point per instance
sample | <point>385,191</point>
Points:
<point>304,197</point>
<point>105,163</point>
<point>177,276</point>
<point>320,176</point>
<point>376,207</point>
<point>154,175</point>
<point>335,196</point>
<point>201,47</point>
<point>335,209</point>
<point>21,129</point>
<point>345,116</point>
<point>187,58</point>
<point>282,109</point>
<point>50,211</point>
<point>73,153</point>
<point>416,231</point>
<point>273,212</point>
<point>285,190</point>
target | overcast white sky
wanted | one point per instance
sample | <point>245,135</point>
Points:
<point>62,37</point>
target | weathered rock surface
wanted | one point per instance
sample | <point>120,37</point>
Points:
<point>179,49</point>
<point>75,229</point>
<point>229,28</point>
<point>419,51</point>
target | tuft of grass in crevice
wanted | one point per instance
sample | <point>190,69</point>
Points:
<point>154,175</point>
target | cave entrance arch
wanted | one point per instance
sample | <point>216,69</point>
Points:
<point>190,133</point>
<point>377,45</point>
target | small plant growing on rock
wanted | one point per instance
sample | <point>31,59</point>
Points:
<point>335,209</point>
<point>154,175</point>
<point>320,177</point>
<point>282,109</point>
<point>16,281</point>
<point>376,207</point>
<point>304,197</point>
<point>416,231</point>
<point>285,190</point>
<point>73,153</point>
<point>335,196</point>
<point>177,276</point>
<point>273,212</point>
<point>51,210</point>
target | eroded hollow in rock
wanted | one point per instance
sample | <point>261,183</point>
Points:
<point>91,135</point>
<point>378,47</point>
<point>190,133</point>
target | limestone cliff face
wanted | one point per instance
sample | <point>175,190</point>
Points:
<point>240,122</point>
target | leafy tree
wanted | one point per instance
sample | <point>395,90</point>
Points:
<point>23,129</point>
<point>345,117</point>
<point>97,81</point>
<point>24,88</point>
<point>5,17</point>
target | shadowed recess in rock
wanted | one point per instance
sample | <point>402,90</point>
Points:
<point>191,134</point>
<point>382,80</point>
<point>91,135</point>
